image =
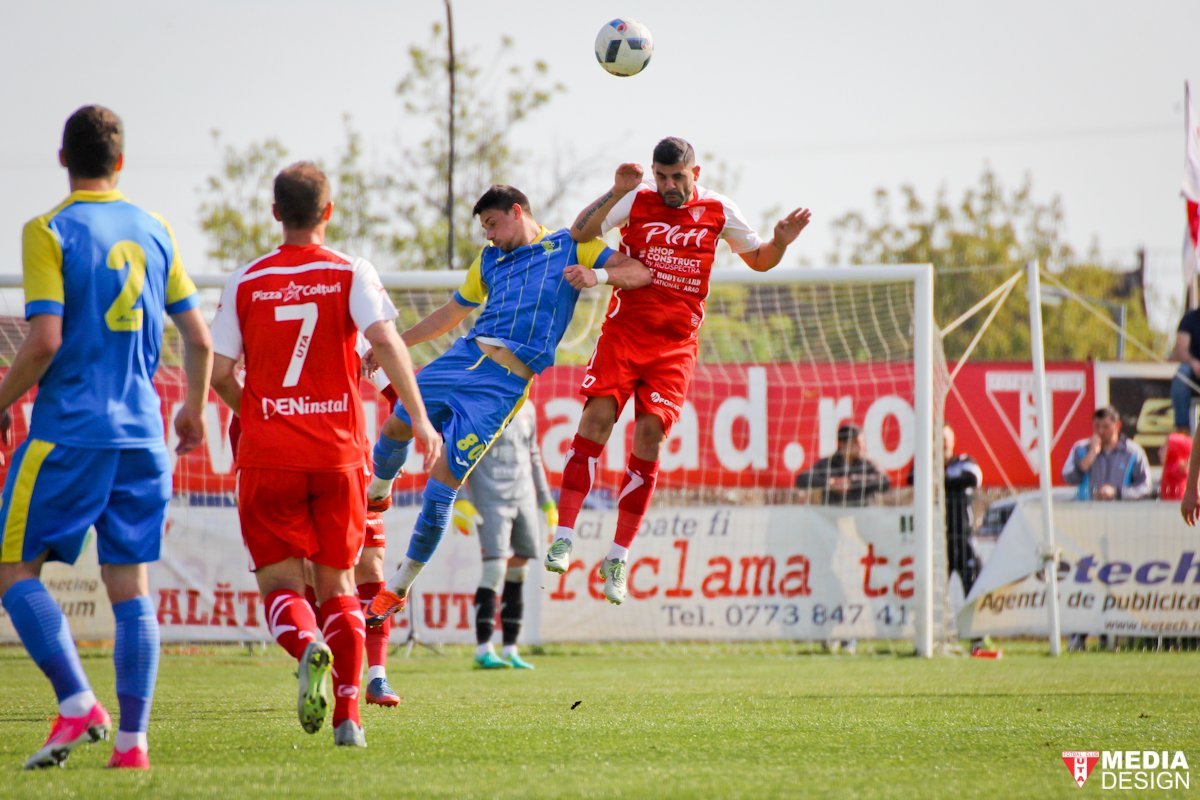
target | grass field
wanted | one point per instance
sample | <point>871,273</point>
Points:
<point>686,721</point>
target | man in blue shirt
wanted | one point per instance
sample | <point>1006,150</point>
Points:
<point>99,275</point>
<point>527,281</point>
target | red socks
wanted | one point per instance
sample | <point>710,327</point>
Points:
<point>578,474</point>
<point>377,637</point>
<point>344,631</point>
<point>636,489</point>
<point>291,621</point>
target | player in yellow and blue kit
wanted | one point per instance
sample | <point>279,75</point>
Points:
<point>99,275</point>
<point>527,281</point>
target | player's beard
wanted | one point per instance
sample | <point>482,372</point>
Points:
<point>673,199</point>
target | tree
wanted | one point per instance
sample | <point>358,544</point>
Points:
<point>397,214</point>
<point>977,242</point>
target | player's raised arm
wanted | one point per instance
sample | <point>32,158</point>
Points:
<point>439,321</point>
<point>197,366</point>
<point>588,224</point>
<point>393,358</point>
<point>769,254</point>
<point>619,271</point>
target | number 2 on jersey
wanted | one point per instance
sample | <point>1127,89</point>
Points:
<point>307,314</point>
<point>121,316</point>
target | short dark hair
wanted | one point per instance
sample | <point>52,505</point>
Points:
<point>93,140</point>
<point>673,150</point>
<point>501,197</point>
<point>848,432</point>
<point>1106,412</point>
<point>301,194</point>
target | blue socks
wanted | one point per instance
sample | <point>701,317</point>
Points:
<point>135,657</point>
<point>43,630</point>
<point>388,456</point>
<point>437,505</point>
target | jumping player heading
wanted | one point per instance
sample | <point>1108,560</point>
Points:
<point>647,348</point>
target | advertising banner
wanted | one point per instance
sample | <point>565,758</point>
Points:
<point>1126,569</point>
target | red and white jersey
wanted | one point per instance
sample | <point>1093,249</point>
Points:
<point>678,245</point>
<point>295,315</point>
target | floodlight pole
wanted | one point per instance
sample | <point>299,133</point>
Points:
<point>1045,428</point>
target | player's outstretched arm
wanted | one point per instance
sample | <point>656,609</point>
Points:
<point>771,253</point>
<point>197,366</point>
<point>619,270</point>
<point>393,358</point>
<point>587,224</point>
<point>440,321</point>
<point>29,364</point>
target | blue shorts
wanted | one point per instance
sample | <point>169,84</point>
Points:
<point>470,399</point>
<point>54,493</point>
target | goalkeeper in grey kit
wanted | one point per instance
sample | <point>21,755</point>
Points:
<point>507,488</point>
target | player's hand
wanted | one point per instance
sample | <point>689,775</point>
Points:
<point>551,511</point>
<point>1094,445</point>
<point>580,277</point>
<point>788,228</point>
<point>466,517</point>
<point>1106,492</point>
<point>627,179</point>
<point>431,442</point>
<point>189,428</point>
<point>369,364</point>
<point>1189,505</point>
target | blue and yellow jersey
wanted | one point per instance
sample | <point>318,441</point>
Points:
<point>110,270</point>
<point>528,301</point>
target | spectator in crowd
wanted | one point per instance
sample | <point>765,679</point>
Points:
<point>1187,352</point>
<point>1108,466</point>
<point>848,477</point>
<point>1174,455</point>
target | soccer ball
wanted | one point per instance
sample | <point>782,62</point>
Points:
<point>623,47</point>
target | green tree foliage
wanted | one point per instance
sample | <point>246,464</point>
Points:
<point>977,242</point>
<point>397,213</point>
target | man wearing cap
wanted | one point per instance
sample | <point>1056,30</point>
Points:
<point>848,477</point>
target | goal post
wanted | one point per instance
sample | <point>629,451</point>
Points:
<point>731,549</point>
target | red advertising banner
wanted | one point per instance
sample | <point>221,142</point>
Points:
<point>991,408</point>
<point>748,425</point>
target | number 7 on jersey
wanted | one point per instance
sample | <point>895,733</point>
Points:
<point>307,314</point>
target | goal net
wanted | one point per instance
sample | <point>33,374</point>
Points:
<point>741,543</point>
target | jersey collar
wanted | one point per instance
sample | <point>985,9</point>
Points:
<point>89,196</point>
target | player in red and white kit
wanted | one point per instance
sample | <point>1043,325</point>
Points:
<point>647,348</point>
<point>294,316</point>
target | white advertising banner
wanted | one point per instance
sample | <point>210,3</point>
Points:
<point>790,572</point>
<point>1126,569</point>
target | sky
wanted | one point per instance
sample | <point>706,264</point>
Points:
<point>814,104</point>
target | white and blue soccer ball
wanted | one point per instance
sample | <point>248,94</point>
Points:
<point>624,47</point>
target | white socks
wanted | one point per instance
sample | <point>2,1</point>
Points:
<point>564,533</point>
<point>77,704</point>
<point>404,576</point>
<point>377,671</point>
<point>618,552</point>
<point>379,488</point>
<point>127,740</point>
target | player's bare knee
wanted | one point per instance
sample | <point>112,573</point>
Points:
<point>20,571</point>
<point>396,428</point>
<point>599,416</point>
<point>369,568</point>
<point>648,437</point>
<point>125,581</point>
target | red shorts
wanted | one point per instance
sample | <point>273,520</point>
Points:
<point>657,374</point>
<point>320,516</point>
<point>376,536</point>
